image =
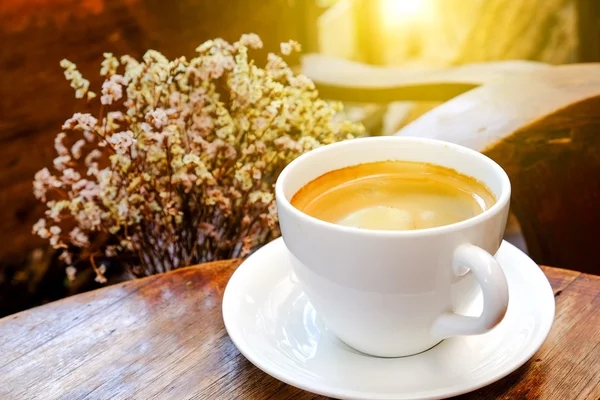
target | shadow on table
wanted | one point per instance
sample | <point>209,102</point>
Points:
<point>520,383</point>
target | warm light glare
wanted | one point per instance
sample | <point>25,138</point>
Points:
<point>396,12</point>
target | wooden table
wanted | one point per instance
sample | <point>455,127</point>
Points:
<point>163,337</point>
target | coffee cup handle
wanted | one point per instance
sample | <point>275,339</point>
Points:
<point>494,288</point>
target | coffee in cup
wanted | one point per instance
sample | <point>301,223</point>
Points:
<point>393,195</point>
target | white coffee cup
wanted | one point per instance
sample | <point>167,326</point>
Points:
<point>397,293</point>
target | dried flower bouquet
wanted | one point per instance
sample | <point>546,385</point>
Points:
<point>178,165</point>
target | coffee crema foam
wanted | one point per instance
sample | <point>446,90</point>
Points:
<point>393,195</point>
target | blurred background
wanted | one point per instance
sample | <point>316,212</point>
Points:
<point>414,35</point>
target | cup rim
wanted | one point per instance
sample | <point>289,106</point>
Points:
<point>501,202</point>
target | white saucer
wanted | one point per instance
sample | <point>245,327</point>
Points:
<point>273,324</point>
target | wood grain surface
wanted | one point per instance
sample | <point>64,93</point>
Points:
<point>163,337</point>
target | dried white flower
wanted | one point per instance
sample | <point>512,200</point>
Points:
<point>71,272</point>
<point>112,89</point>
<point>121,141</point>
<point>109,65</point>
<point>79,121</point>
<point>251,40</point>
<point>70,176</point>
<point>74,76</point>
<point>76,149</point>
<point>39,228</point>
<point>66,257</point>
<point>43,182</point>
<point>59,146</point>
<point>110,251</point>
<point>158,118</point>
<point>288,47</point>
<point>79,238</point>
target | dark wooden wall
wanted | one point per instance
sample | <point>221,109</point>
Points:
<point>35,99</point>
<point>588,29</point>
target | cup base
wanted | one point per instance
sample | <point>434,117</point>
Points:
<point>381,355</point>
